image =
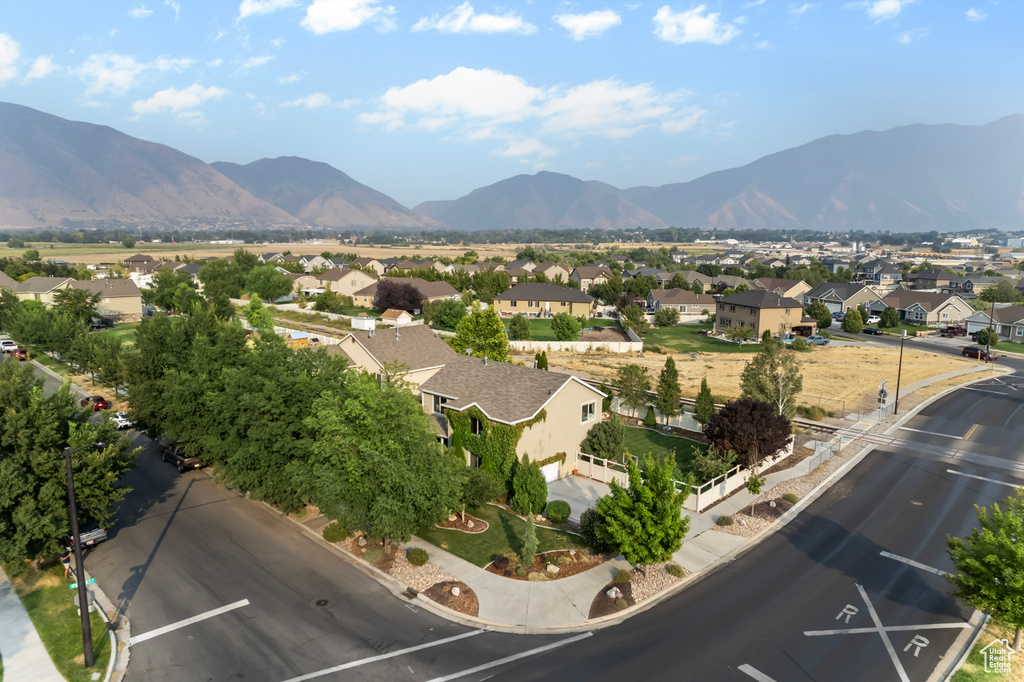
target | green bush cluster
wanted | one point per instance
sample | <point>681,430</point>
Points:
<point>815,412</point>
<point>791,498</point>
<point>675,570</point>
<point>373,554</point>
<point>520,571</point>
<point>336,532</point>
<point>800,345</point>
<point>650,419</point>
<point>622,577</point>
<point>590,520</point>
<point>558,511</point>
<point>417,556</point>
<point>529,489</point>
<point>621,603</point>
<point>723,521</point>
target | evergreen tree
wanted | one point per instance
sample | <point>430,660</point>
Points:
<point>519,328</point>
<point>669,392</point>
<point>606,439</point>
<point>633,384</point>
<point>890,318</point>
<point>543,360</point>
<point>529,489</point>
<point>529,550</point>
<point>704,409</point>
<point>853,323</point>
<point>606,401</point>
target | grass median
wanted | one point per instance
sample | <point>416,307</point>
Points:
<point>50,605</point>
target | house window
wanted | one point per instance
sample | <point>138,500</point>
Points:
<point>512,303</point>
<point>732,309</point>
<point>787,310</point>
<point>439,403</point>
<point>476,427</point>
<point>589,412</point>
<point>753,311</point>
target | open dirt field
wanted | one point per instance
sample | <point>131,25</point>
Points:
<point>832,374</point>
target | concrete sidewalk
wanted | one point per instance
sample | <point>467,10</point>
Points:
<point>24,656</point>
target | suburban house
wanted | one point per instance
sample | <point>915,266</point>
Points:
<point>761,310</point>
<point>430,291</point>
<point>140,261</point>
<point>839,297</point>
<point>516,274</point>
<point>307,285</point>
<point>691,306</point>
<point>275,258</point>
<point>660,276</point>
<point>416,351</point>
<point>833,263</point>
<point>313,262</point>
<point>971,285</point>
<point>792,288</point>
<point>7,282</point>
<point>589,275</point>
<point>1008,322</point>
<point>930,279</point>
<point>399,318</point>
<point>881,274</point>
<point>708,284</point>
<point>338,263</point>
<point>120,299</point>
<point>926,308</point>
<point>345,282</point>
<point>370,264</point>
<point>519,263</point>
<point>42,288</point>
<point>543,300</point>
<point>552,271</point>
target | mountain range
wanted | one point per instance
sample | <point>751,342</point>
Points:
<point>913,178</point>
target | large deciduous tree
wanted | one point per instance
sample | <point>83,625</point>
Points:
<point>751,428</point>
<point>668,392</point>
<point>644,521</point>
<point>667,316</point>
<point>519,328</point>
<point>392,292</point>
<point>989,563</point>
<point>632,317</point>
<point>483,334</point>
<point>773,376</point>
<point>76,304</point>
<point>566,327</point>
<point>268,283</point>
<point>820,312</point>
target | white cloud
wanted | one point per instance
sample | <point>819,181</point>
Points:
<point>192,117</point>
<point>289,79</point>
<point>464,19</point>
<point>41,67</point>
<point>880,10</point>
<point>328,16</point>
<point>139,12</point>
<point>583,26</point>
<point>178,64</point>
<point>529,147</point>
<point>112,73</point>
<point>975,15</point>
<point>220,34</point>
<point>10,50</point>
<point>253,62</point>
<point>214,63</point>
<point>754,3</point>
<point>741,20</point>
<point>797,10</point>
<point>764,45</point>
<point>910,36</point>
<point>319,100</point>
<point>175,6</point>
<point>692,26</point>
<point>278,42</point>
<point>250,8</point>
<point>684,120</point>
<point>174,101</point>
<point>605,108</point>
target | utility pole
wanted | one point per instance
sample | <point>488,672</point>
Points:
<point>899,373</point>
<point>83,593</point>
<point>988,341</point>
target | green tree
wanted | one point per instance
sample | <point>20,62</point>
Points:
<point>446,313</point>
<point>668,391</point>
<point>478,488</point>
<point>268,283</point>
<point>76,304</point>
<point>34,429</point>
<point>853,323</point>
<point>376,462</point>
<point>633,384</point>
<point>754,485</point>
<point>258,315</point>
<point>1003,292</point>
<point>820,312</point>
<point>632,317</point>
<point>606,401</point>
<point>529,489</point>
<point>128,243</point>
<point>528,553</point>
<point>482,333</point>
<point>709,464</point>
<point>605,439</point>
<point>989,563</point>
<point>890,318</point>
<point>678,281</point>
<point>666,316</point>
<point>566,327</point>
<point>704,408</point>
<point>750,428</point>
<point>519,328</point>
<point>644,522</point>
<point>773,376</point>
<point>987,337</point>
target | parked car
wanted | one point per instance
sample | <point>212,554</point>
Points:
<point>91,536</point>
<point>871,330</point>
<point>175,454</point>
<point>98,403</point>
<point>818,340</point>
<point>21,353</point>
<point>8,346</point>
<point>838,317</point>
<point>954,330</point>
<point>121,420</point>
<point>979,353</point>
<point>873,319</point>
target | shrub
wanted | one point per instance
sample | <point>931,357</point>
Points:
<point>529,489</point>
<point>537,577</point>
<point>654,349</point>
<point>519,328</point>
<point>512,558</point>
<point>373,554</point>
<point>566,327</point>
<point>791,498</point>
<point>558,511</point>
<point>501,562</point>
<point>666,317</point>
<point>650,419</point>
<point>335,532</point>
<point>800,345</point>
<point>605,439</point>
<point>621,603</point>
<point>590,520</point>
<point>723,521</point>
<point>563,560</point>
<point>417,556</point>
<point>520,571</point>
<point>676,570</point>
<point>622,577</point>
<point>826,334</point>
<point>815,412</point>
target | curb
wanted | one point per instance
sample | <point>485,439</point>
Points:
<point>62,379</point>
<point>965,640</point>
<point>118,663</point>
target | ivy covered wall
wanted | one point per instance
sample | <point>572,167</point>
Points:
<point>496,443</point>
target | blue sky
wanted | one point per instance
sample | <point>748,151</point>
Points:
<point>430,100</point>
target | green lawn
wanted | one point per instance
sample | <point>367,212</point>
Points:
<point>503,535</point>
<point>686,338</point>
<point>641,441</point>
<point>540,329</point>
<point>124,331</point>
<point>309,318</point>
<point>50,605</point>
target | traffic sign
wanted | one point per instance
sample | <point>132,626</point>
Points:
<point>74,586</point>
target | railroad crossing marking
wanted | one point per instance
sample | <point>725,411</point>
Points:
<point>918,642</point>
<point>982,478</point>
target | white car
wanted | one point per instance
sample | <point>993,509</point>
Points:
<point>121,420</point>
<point>8,346</point>
<point>873,319</point>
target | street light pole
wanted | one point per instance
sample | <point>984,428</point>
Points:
<point>899,373</point>
<point>83,593</point>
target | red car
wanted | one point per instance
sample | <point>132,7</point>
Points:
<point>21,354</point>
<point>98,402</point>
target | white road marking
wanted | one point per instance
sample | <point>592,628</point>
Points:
<point>911,562</point>
<point>981,390</point>
<point>188,621</point>
<point>1012,415</point>
<point>512,658</point>
<point>382,657</point>
<point>888,628</point>
<point>755,673</point>
<point>982,478</point>
<point>931,433</point>
<point>882,633</point>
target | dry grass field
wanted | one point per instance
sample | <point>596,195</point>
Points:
<point>835,375</point>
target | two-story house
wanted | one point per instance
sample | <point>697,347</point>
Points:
<point>589,275</point>
<point>543,300</point>
<point>691,306</point>
<point>839,297</point>
<point>759,310</point>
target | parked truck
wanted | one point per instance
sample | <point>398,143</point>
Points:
<point>953,330</point>
<point>176,455</point>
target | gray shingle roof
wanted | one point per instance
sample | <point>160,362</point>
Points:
<point>109,288</point>
<point>681,297</point>
<point>762,299</point>
<point>531,291</point>
<point>42,285</point>
<point>503,392</point>
<point>929,300</point>
<point>845,290</point>
<point>8,282</point>
<point>592,271</point>
<point>415,347</point>
<point>427,289</point>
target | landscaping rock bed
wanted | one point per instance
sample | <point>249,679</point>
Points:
<point>548,566</point>
<point>605,604</point>
<point>454,595</point>
<point>420,578</point>
<point>470,525</point>
<point>657,579</point>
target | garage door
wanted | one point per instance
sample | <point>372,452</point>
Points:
<point>834,307</point>
<point>976,326</point>
<point>550,472</point>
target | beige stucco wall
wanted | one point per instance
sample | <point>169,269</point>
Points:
<point>351,283</point>
<point>562,430</point>
<point>774,319</point>
<point>123,307</point>
<point>542,307</point>
<point>47,298</point>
